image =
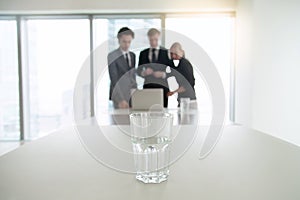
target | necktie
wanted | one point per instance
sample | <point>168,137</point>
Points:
<point>153,56</point>
<point>127,59</point>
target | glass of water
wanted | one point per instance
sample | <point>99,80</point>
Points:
<point>151,139</point>
<point>184,104</point>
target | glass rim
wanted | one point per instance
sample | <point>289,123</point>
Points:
<point>150,115</point>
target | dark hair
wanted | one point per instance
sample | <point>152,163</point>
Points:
<point>125,31</point>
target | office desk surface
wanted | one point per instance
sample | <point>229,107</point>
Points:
<point>121,117</point>
<point>245,165</point>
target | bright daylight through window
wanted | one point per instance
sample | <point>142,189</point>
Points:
<point>54,49</point>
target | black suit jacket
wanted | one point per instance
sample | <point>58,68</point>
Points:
<point>160,65</point>
<point>122,76</point>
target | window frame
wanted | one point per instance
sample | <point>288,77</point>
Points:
<point>20,18</point>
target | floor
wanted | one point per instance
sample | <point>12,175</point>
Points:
<point>6,146</point>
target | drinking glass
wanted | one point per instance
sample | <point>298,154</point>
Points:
<point>184,104</point>
<point>151,139</point>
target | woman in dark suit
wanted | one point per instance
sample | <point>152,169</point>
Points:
<point>182,69</point>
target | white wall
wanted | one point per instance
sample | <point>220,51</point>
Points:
<point>41,6</point>
<point>244,66</point>
<point>274,59</point>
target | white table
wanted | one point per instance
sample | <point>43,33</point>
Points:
<point>121,116</point>
<point>245,164</point>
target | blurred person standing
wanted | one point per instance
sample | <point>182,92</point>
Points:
<point>182,69</point>
<point>122,73</point>
<point>152,64</point>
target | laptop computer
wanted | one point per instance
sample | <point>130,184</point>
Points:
<point>147,99</point>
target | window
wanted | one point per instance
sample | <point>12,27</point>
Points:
<point>106,30</point>
<point>56,49</point>
<point>9,98</point>
<point>215,35</point>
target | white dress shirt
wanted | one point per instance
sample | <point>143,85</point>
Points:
<point>176,62</point>
<point>156,53</point>
<point>129,57</point>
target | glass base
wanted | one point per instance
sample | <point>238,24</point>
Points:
<point>153,177</point>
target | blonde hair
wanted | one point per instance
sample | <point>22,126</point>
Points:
<point>176,48</point>
<point>153,31</point>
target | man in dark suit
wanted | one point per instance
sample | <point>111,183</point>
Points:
<point>152,64</point>
<point>121,65</point>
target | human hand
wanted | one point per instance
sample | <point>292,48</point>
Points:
<point>123,104</point>
<point>181,89</point>
<point>170,93</point>
<point>148,71</point>
<point>158,74</point>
